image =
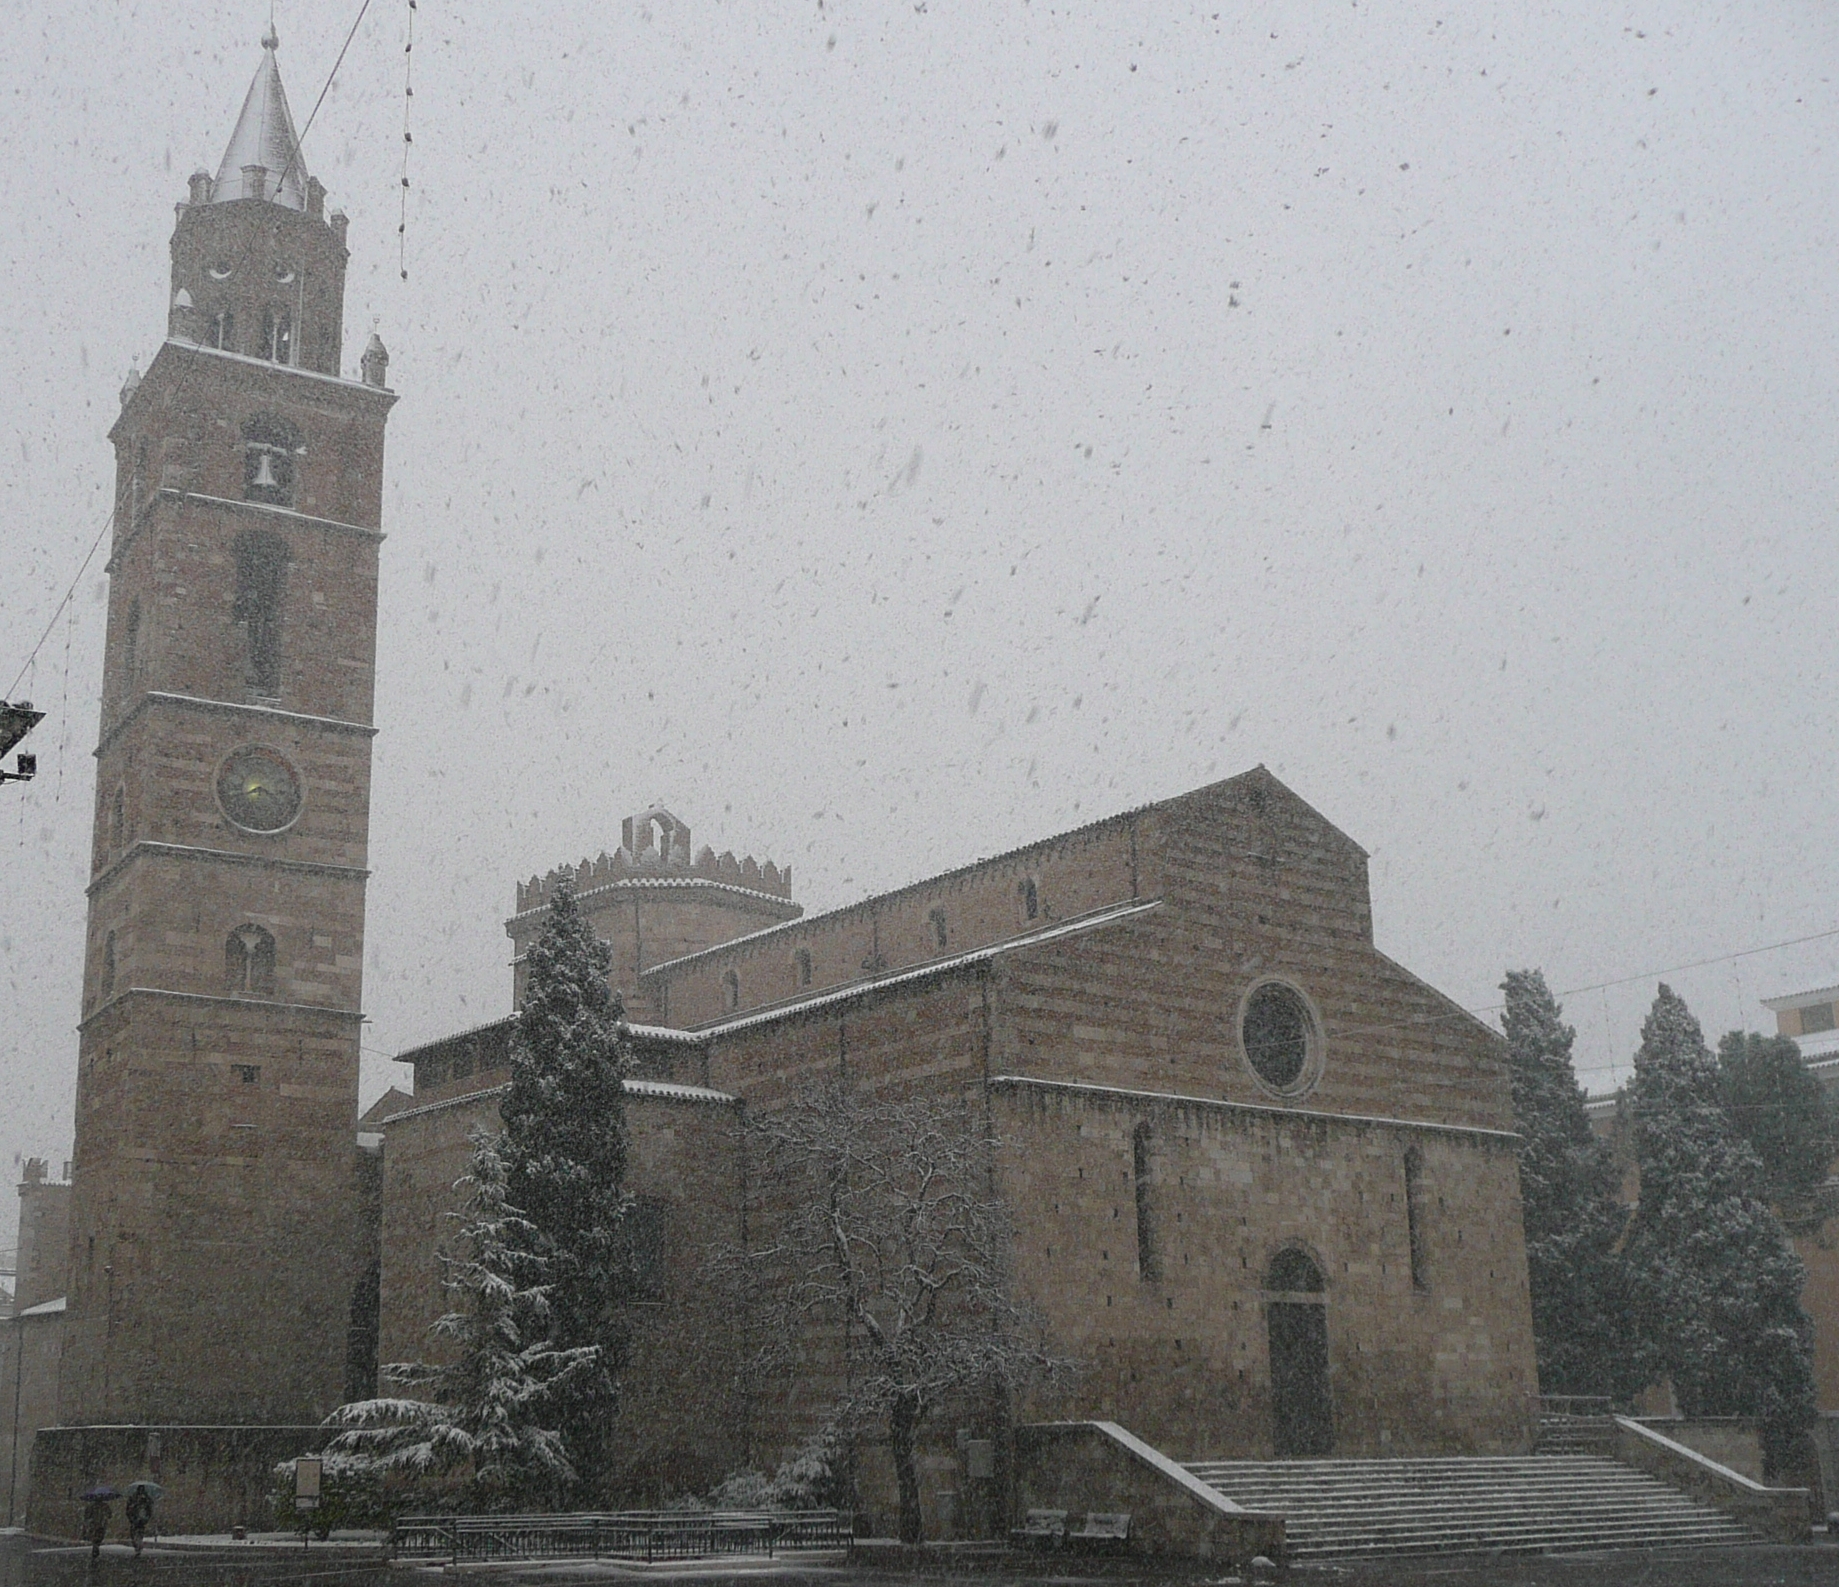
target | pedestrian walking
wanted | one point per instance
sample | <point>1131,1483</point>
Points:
<point>96,1518</point>
<point>140,1510</point>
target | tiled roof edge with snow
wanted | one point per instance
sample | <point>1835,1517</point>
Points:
<point>663,1033</point>
<point>661,1090</point>
<point>1220,1105</point>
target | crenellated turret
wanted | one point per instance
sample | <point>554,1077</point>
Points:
<point>655,844</point>
<point>656,897</point>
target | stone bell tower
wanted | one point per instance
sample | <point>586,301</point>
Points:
<point>213,1214</point>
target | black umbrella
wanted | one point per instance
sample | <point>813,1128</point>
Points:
<point>101,1493</point>
<point>152,1489</point>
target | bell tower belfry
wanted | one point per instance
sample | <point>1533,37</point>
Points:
<point>212,1212</point>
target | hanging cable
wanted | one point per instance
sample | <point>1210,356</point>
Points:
<point>408,99</point>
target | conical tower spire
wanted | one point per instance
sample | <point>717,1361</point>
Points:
<point>264,140</point>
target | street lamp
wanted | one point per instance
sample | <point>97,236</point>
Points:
<point>17,720</point>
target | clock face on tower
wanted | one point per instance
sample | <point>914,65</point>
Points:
<point>258,790</point>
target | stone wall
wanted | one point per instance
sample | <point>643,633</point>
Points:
<point>1080,1467</point>
<point>215,1477</point>
<point>685,1414</point>
<point>30,1344</point>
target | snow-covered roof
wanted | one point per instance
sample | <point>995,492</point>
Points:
<point>1820,994</point>
<point>264,136</point>
<point>45,1308</point>
<point>1109,916</point>
<point>662,1090</point>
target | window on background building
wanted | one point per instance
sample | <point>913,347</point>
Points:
<point>1031,900</point>
<point>249,962</point>
<point>731,991</point>
<point>248,1074</point>
<point>261,578</point>
<point>939,935</point>
<point>1414,1218</point>
<point>1815,1018</point>
<point>644,1232</point>
<point>1293,1272</point>
<point>1149,1266</point>
<point>802,960</point>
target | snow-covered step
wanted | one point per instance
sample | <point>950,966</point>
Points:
<point>1552,1503</point>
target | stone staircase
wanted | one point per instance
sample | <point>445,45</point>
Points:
<point>1553,1503</point>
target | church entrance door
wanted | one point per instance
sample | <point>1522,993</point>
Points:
<point>1296,1316</point>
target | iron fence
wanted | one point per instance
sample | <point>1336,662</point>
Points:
<point>648,1535</point>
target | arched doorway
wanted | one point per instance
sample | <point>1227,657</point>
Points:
<point>1296,1315</point>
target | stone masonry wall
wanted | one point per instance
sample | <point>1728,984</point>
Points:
<point>1179,1355</point>
<point>974,907</point>
<point>684,1412</point>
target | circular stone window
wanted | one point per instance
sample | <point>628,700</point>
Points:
<point>1278,1031</point>
<point>258,790</point>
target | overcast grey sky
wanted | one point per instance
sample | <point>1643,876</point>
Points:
<point>886,433</point>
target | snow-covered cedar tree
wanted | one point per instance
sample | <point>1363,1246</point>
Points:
<point>890,1242</point>
<point>479,1430</point>
<point>815,1478</point>
<point>1568,1183</point>
<point>565,1163</point>
<point>1782,1111</point>
<point>1716,1286</point>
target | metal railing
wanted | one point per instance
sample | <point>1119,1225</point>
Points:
<point>648,1535</point>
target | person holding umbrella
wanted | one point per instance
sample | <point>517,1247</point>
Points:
<point>141,1496</point>
<point>96,1503</point>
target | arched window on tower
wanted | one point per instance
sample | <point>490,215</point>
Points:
<point>261,578</point>
<point>130,644</point>
<point>249,962</point>
<point>137,485</point>
<point>222,330</point>
<point>277,336</point>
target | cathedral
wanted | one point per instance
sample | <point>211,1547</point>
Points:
<point>1262,1178</point>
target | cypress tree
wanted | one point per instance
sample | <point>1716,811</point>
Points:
<point>1782,1111</point>
<point>1717,1287</point>
<point>1568,1182</point>
<point>565,1161</point>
